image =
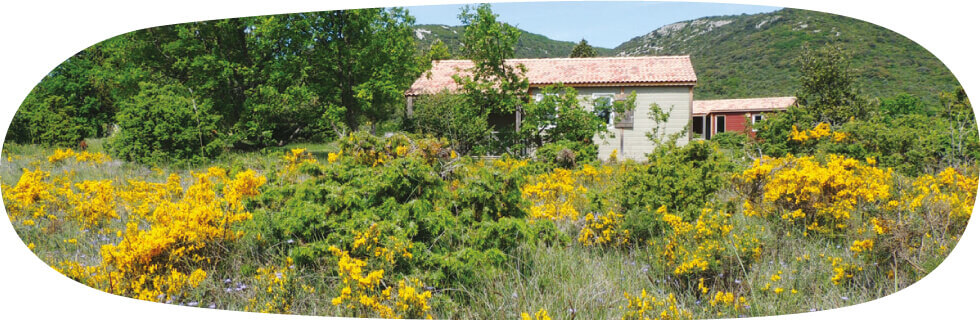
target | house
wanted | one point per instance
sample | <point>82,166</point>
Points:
<point>712,117</point>
<point>667,81</point>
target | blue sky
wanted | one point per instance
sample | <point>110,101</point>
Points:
<point>602,24</point>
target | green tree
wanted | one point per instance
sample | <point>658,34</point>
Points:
<point>827,85</point>
<point>583,50</point>
<point>961,127</point>
<point>491,84</point>
<point>449,116</point>
<point>438,51</point>
<point>903,103</point>
<point>74,101</point>
<point>166,124</point>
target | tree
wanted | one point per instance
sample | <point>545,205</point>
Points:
<point>276,79</point>
<point>493,85</point>
<point>827,85</point>
<point>964,143</point>
<point>73,102</point>
<point>903,103</point>
<point>583,50</point>
<point>438,51</point>
<point>449,116</point>
<point>166,124</point>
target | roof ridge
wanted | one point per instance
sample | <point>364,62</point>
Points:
<point>756,98</point>
<point>580,59</point>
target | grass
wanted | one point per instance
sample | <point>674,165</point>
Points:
<point>569,281</point>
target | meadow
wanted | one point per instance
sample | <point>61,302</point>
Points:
<point>404,227</point>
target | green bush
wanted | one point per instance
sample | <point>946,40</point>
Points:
<point>450,116</point>
<point>165,124</point>
<point>681,178</point>
<point>461,216</point>
<point>567,154</point>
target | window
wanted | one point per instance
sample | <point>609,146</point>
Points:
<point>756,118</point>
<point>602,105</point>
<point>698,125</point>
<point>719,124</point>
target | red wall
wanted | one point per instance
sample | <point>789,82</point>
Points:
<point>734,121</point>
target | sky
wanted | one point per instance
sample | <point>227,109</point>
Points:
<point>602,24</point>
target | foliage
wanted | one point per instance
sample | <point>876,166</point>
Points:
<point>909,143</point>
<point>261,81</point>
<point>774,131</point>
<point>583,50</point>
<point>827,85</point>
<point>904,103</point>
<point>166,124</point>
<point>449,116</point>
<point>567,154</point>
<point>814,197</point>
<point>491,85</point>
<point>438,51</point>
<point>681,178</point>
<point>74,101</point>
<point>747,56</point>
<point>530,45</point>
<point>559,116</point>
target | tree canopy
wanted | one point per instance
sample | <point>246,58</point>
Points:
<point>583,50</point>
<point>266,80</point>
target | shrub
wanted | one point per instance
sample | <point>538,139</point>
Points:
<point>682,179</point>
<point>450,116</point>
<point>567,154</point>
<point>805,193</point>
<point>164,124</point>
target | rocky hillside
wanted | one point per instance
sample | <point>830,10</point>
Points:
<point>755,55</point>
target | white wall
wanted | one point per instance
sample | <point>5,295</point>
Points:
<point>635,144</point>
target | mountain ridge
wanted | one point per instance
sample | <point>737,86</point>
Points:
<point>754,55</point>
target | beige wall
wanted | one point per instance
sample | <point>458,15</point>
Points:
<point>635,144</point>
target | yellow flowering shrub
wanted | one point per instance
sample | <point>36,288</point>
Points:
<point>60,155</point>
<point>555,196</point>
<point>96,202</point>
<point>177,236</point>
<point>705,246</point>
<point>542,314</point>
<point>843,272</point>
<point>922,222</point>
<point>31,190</point>
<point>725,303</point>
<point>141,197</point>
<point>802,191</point>
<point>604,230</point>
<point>364,293</point>
<point>362,270</point>
<point>821,130</point>
<point>274,289</point>
<point>561,194</point>
<point>413,301</point>
<point>646,306</point>
<point>294,158</point>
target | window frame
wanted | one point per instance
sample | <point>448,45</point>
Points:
<point>754,120</point>
<point>724,124</point>
<point>611,120</point>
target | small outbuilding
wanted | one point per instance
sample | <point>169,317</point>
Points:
<point>712,117</point>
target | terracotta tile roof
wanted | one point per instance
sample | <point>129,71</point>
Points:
<point>571,71</point>
<point>740,105</point>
